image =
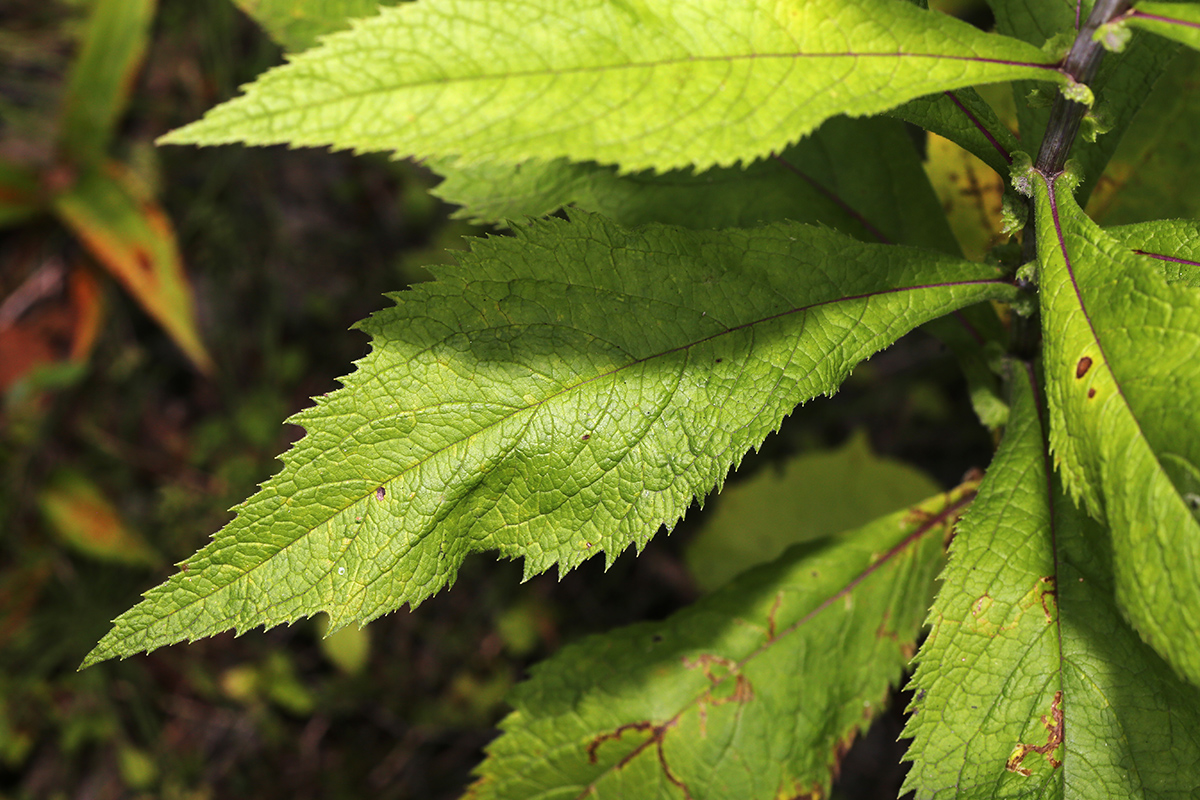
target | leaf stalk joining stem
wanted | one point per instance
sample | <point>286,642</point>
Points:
<point>1081,63</point>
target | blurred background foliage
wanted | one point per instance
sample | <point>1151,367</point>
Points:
<point>161,313</point>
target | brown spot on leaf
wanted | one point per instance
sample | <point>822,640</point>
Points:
<point>719,670</point>
<point>1049,594</point>
<point>1082,367</point>
<point>772,615</point>
<point>586,436</point>
<point>1091,393</point>
<point>1054,737</point>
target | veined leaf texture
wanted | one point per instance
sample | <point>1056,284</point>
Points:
<point>1121,347</point>
<point>560,393</point>
<point>645,84</point>
<point>1031,684</point>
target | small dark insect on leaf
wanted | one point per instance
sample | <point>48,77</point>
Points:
<point>380,493</point>
<point>1083,366</point>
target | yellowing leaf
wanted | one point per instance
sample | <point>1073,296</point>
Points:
<point>131,237</point>
<point>971,193</point>
<point>80,516</point>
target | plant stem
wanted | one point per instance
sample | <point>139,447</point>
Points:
<point>1081,63</point>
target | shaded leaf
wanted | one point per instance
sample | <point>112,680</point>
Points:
<point>1172,244</point>
<point>814,495</point>
<point>861,176</point>
<point>753,692</point>
<point>101,77</point>
<point>1030,683</point>
<point>559,394</point>
<point>1156,170</point>
<point>966,119</point>
<point>646,85</point>
<point>131,237</point>
<point>349,648</point>
<point>1122,360</point>
<point>296,24</point>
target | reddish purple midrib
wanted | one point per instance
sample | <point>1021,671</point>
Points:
<point>1166,20</point>
<point>1173,259</point>
<point>982,129</point>
<point>835,198</point>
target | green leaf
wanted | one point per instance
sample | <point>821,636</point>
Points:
<point>101,77</point>
<point>966,119</point>
<point>1030,683</point>
<point>296,24</point>
<point>1122,360</point>
<point>650,84</point>
<point>861,176</point>
<point>1035,23</point>
<point>814,495</point>
<point>1177,21</point>
<point>753,692</point>
<point>1156,170</point>
<point>559,394</point>
<point>1173,245</point>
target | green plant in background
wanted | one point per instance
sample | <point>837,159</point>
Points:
<point>735,249</point>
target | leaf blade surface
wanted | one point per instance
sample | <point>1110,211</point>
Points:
<point>559,394</point>
<point>753,692</point>
<point>1122,378</point>
<point>1030,683</point>
<point>861,176</point>
<point>1174,244</point>
<point>646,85</point>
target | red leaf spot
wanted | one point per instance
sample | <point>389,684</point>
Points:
<point>586,436</point>
<point>1091,393</point>
<point>1082,367</point>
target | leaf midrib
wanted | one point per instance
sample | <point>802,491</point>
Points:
<point>342,97</point>
<point>1050,181</point>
